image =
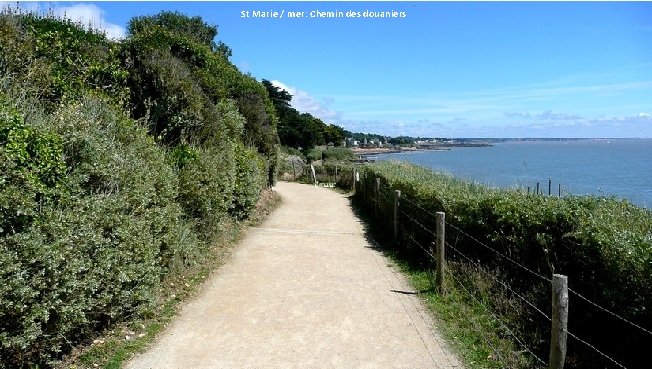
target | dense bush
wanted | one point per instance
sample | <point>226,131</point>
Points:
<point>603,245</point>
<point>250,178</point>
<point>57,59</point>
<point>180,84</point>
<point>31,170</point>
<point>330,153</point>
<point>98,253</point>
<point>206,185</point>
<point>96,206</point>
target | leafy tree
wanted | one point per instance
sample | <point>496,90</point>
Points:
<point>178,78</point>
<point>297,129</point>
<point>177,23</point>
<point>334,134</point>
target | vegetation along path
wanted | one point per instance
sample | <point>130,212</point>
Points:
<point>303,290</point>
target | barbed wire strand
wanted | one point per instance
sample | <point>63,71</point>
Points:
<point>417,206</point>
<point>610,312</point>
<point>544,278</point>
<point>500,282</point>
<point>522,267</point>
<point>486,308</point>
<point>479,330</point>
<point>495,317</point>
<point>420,246</point>
<point>499,253</point>
<point>418,223</point>
<point>595,349</point>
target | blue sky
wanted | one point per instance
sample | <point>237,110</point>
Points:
<point>460,69</point>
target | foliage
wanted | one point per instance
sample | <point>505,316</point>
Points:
<point>98,207</point>
<point>603,245</point>
<point>297,129</point>
<point>31,170</point>
<point>206,186</point>
<point>97,254</point>
<point>189,92</point>
<point>402,140</point>
<point>362,136</point>
<point>330,154</point>
<point>58,59</point>
<point>250,180</point>
<point>178,23</point>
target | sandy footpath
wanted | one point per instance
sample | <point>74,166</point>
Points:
<point>303,290</point>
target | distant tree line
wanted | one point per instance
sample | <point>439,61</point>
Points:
<point>297,129</point>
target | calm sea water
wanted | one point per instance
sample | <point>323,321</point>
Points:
<point>620,167</point>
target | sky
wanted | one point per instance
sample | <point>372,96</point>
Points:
<point>444,69</point>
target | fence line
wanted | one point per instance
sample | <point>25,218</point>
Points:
<point>501,282</point>
<point>496,319</point>
<point>595,349</point>
<point>609,312</point>
<point>387,192</point>
<point>500,253</point>
<point>417,223</point>
<point>420,207</point>
<point>421,246</point>
<point>487,340</point>
<point>407,199</point>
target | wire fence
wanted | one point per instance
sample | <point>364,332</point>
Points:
<point>416,229</point>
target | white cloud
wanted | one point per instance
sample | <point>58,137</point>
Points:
<point>483,104</point>
<point>305,103</point>
<point>90,14</point>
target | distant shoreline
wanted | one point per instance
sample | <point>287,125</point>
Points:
<point>433,147</point>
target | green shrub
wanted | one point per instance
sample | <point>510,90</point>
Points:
<point>57,59</point>
<point>31,170</point>
<point>249,181</point>
<point>206,187</point>
<point>97,254</point>
<point>95,211</point>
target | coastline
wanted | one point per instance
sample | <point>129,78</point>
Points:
<point>435,147</point>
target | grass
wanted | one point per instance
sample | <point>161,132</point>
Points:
<point>467,324</point>
<point>113,347</point>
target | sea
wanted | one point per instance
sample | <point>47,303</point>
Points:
<point>608,167</point>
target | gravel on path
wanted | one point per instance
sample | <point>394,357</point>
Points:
<point>303,290</point>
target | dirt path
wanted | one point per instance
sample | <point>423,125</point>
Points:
<point>304,290</point>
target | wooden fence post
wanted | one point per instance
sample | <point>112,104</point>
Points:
<point>397,196</point>
<point>558,332</point>
<point>440,255</point>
